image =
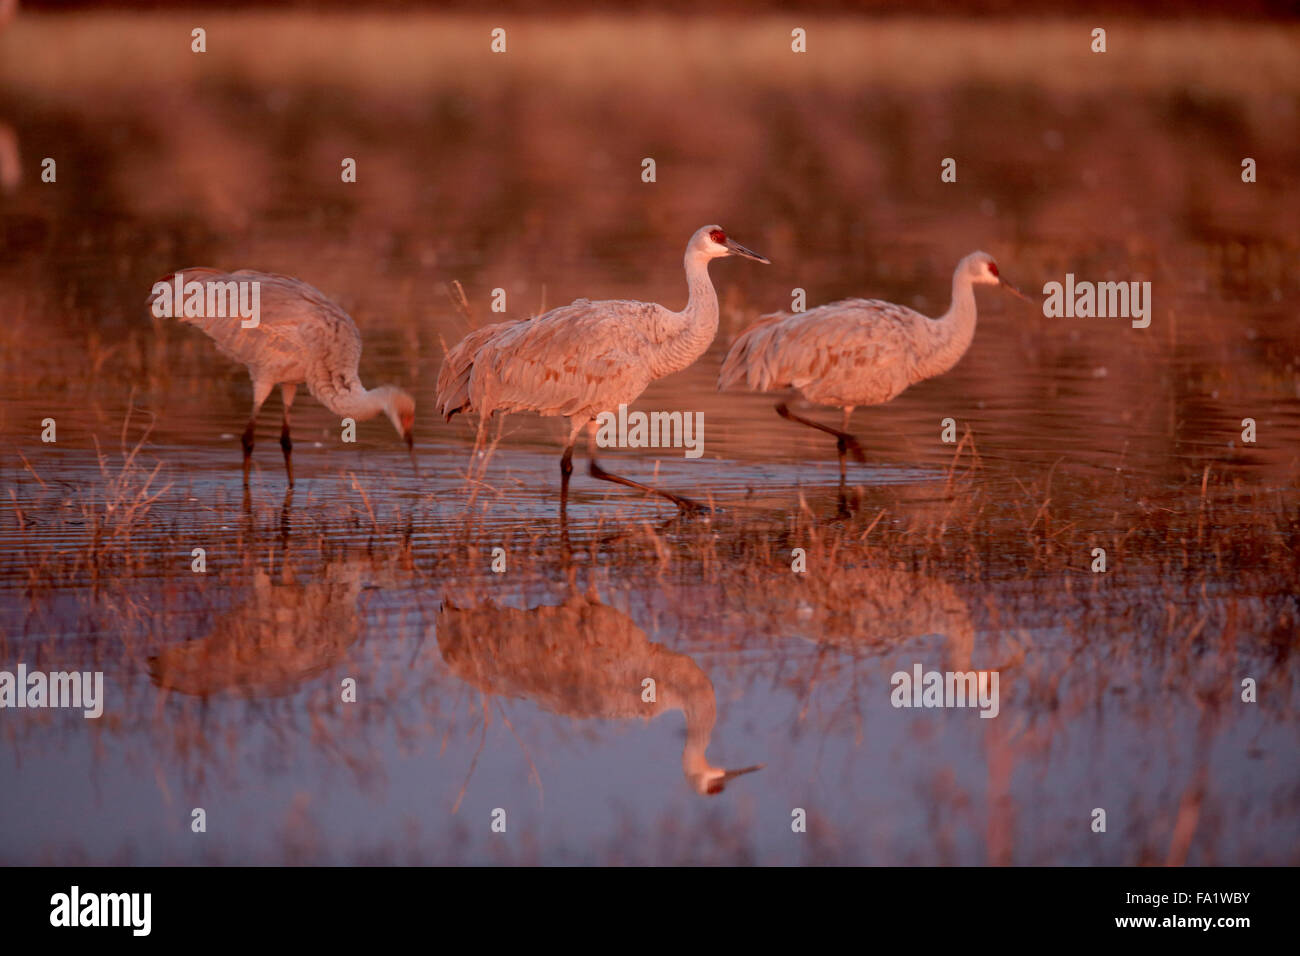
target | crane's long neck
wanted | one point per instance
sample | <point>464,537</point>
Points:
<point>701,713</point>
<point>698,321</point>
<point>952,332</point>
<point>356,402</point>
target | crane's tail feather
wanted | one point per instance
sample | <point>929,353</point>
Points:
<point>746,360</point>
<point>200,273</point>
<point>454,376</point>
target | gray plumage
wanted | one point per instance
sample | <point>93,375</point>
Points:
<point>577,360</point>
<point>857,351</point>
<point>302,337</point>
<point>587,357</point>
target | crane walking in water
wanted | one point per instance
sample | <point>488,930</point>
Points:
<point>587,357</point>
<point>300,337</point>
<point>858,351</point>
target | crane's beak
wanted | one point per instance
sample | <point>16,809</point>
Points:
<point>1014,291</point>
<point>736,249</point>
<point>711,785</point>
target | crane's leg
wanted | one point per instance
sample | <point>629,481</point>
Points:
<point>686,504</point>
<point>844,442</point>
<point>566,465</point>
<point>286,443</point>
<point>480,434</point>
<point>260,392</point>
<point>840,443</point>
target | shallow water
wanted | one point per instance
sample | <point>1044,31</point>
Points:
<point>518,690</point>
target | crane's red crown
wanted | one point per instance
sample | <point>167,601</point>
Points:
<point>993,268</point>
<point>718,236</point>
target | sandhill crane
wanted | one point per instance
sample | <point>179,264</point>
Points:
<point>583,659</point>
<point>301,337</point>
<point>587,357</point>
<point>858,351</point>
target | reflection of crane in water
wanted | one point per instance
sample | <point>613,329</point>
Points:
<point>301,337</point>
<point>878,607</point>
<point>587,357</point>
<point>858,351</point>
<point>281,636</point>
<point>585,660</point>
<point>865,612</point>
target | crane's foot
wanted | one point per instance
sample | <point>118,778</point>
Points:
<point>846,443</point>
<point>691,507</point>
